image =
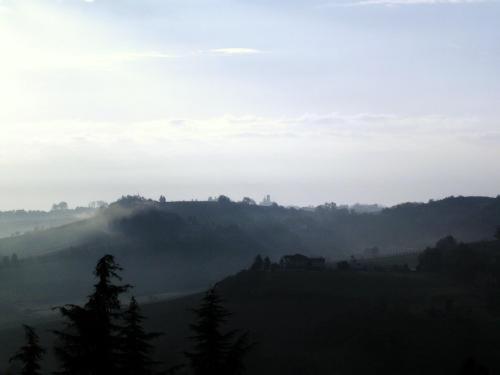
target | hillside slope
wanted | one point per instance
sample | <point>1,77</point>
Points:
<point>181,246</point>
<point>329,322</point>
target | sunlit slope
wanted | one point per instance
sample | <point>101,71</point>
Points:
<point>49,240</point>
<point>14,223</point>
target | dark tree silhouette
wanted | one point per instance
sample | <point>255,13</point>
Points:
<point>215,352</point>
<point>30,354</point>
<point>14,260</point>
<point>343,265</point>
<point>90,343</point>
<point>136,347</point>
<point>472,367</point>
<point>267,264</point>
<point>248,201</point>
<point>162,199</point>
<point>224,199</point>
<point>258,264</point>
<point>497,233</point>
<point>236,355</point>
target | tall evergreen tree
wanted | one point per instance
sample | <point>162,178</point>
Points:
<point>267,264</point>
<point>258,264</point>
<point>136,349</point>
<point>235,356</point>
<point>90,343</point>
<point>30,354</point>
<point>215,353</point>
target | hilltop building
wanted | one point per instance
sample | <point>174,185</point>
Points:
<point>266,201</point>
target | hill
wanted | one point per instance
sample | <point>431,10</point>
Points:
<point>324,322</point>
<point>15,223</point>
<point>183,246</point>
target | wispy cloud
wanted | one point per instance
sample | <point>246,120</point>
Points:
<point>315,127</point>
<point>404,2</point>
<point>236,51</point>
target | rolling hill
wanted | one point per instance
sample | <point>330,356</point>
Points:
<point>182,246</point>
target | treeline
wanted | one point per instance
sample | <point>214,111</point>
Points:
<point>477,262</point>
<point>104,338</point>
<point>10,261</point>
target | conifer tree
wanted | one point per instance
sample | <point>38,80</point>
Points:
<point>90,343</point>
<point>136,347</point>
<point>215,352</point>
<point>237,353</point>
<point>267,264</point>
<point>30,354</point>
<point>258,264</point>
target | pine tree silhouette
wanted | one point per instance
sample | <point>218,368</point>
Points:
<point>258,264</point>
<point>136,348</point>
<point>90,343</point>
<point>214,352</point>
<point>237,353</point>
<point>30,354</point>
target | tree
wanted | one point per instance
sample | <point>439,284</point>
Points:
<point>472,367</point>
<point>91,343</point>
<point>223,199</point>
<point>30,354</point>
<point>248,201</point>
<point>163,200</point>
<point>98,204</point>
<point>236,355</point>
<point>447,243</point>
<point>497,233</point>
<point>267,264</point>
<point>258,264</point>
<point>14,260</point>
<point>136,347</point>
<point>6,261</point>
<point>343,265</point>
<point>76,343</point>
<point>62,206</point>
<point>215,353</point>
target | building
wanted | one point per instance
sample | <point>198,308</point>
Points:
<point>266,201</point>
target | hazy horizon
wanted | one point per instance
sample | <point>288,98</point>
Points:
<point>76,204</point>
<point>382,101</point>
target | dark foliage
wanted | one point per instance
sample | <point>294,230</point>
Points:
<point>91,343</point>
<point>258,264</point>
<point>30,355</point>
<point>215,352</point>
<point>477,263</point>
<point>343,265</point>
<point>472,367</point>
<point>136,347</point>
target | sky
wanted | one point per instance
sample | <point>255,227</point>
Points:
<point>310,101</point>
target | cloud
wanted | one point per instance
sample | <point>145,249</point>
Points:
<point>365,128</point>
<point>330,154</point>
<point>406,2</point>
<point>236,51</point>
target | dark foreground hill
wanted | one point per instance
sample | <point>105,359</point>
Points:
<point>182,246</point>
<point>332,322</point>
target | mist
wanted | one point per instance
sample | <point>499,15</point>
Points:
<point>232,187</point>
